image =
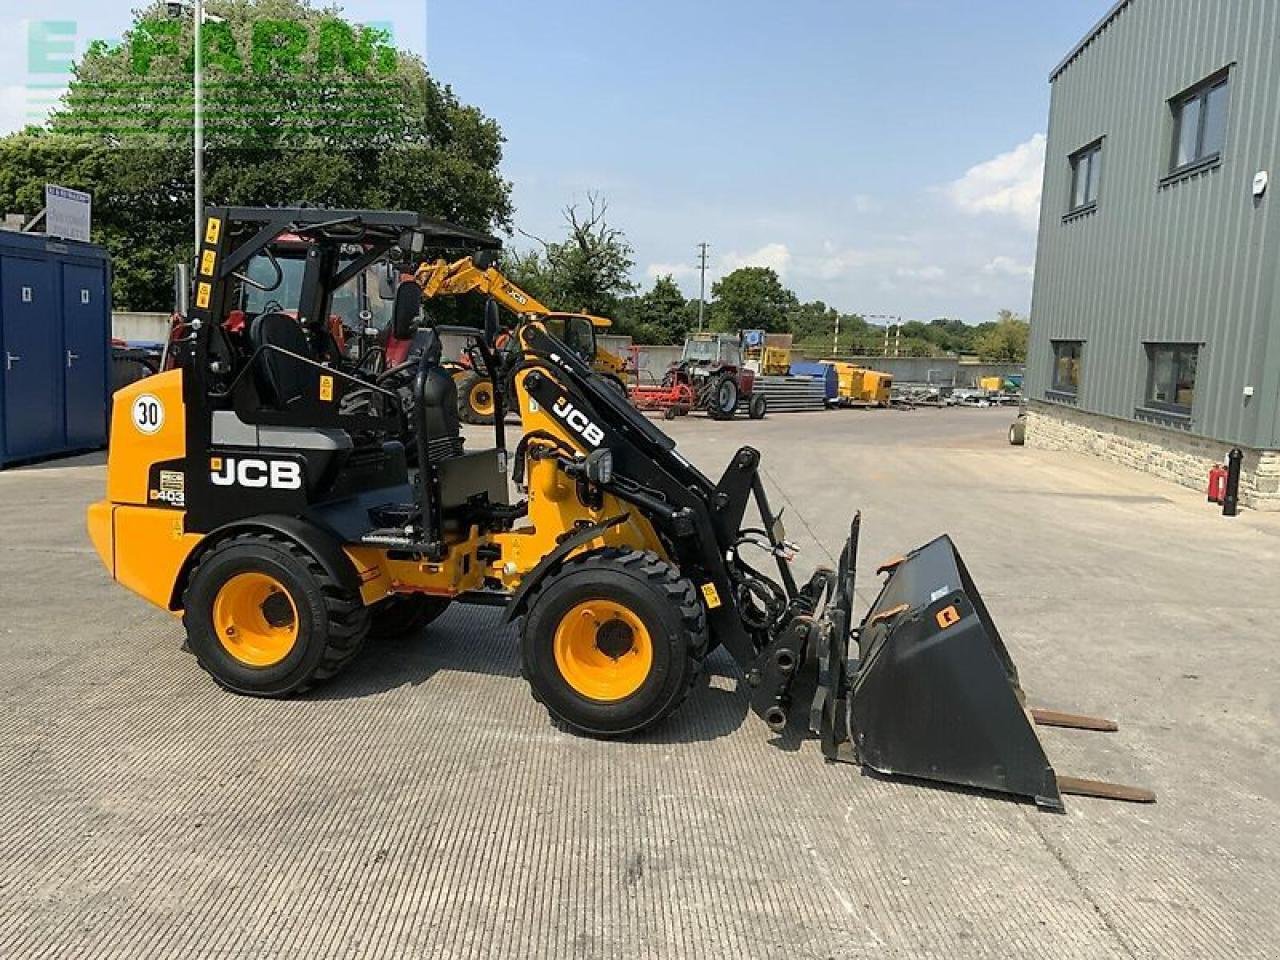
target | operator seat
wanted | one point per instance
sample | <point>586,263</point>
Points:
<point>281,380</point>
<point>439,417</point>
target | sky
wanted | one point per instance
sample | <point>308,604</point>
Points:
<point>884,156</point>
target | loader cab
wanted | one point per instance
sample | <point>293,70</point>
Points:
<point>577,331</point>
<point>279,420</point>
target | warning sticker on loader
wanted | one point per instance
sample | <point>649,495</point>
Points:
<point>148,414</point>
<point>326,389</point>
<point>711,595</point>
<point>948,617</point>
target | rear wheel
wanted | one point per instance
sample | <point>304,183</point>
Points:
<point>1018,433</point>
<point>404,613</point>
<point>613,642</point>
<point>475,398</point>
<point>264,618</point>
<point>758,406</point>
<point>724,398</point>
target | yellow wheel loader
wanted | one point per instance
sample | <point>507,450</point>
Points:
<point>284,529</point>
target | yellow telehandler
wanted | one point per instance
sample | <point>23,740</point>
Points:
<point>284,528</point>
<point>479,274</point>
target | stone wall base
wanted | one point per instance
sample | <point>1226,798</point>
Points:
<point>1166,453</point>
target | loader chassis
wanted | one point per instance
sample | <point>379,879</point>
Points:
<point>244,495</point>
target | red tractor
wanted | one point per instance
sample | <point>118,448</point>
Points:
<point>711,367</point>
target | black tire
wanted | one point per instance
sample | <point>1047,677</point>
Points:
<point>758,406</point>
<point>615,382</point>
<point>331,621</point>
<point>472,388</point>
<point>1018,433</point>
<point>404,613</point>
<point>666,605</point>
<point>722,398</point>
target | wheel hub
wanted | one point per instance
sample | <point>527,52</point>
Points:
<point>255,619</point>
<point>603,651</point>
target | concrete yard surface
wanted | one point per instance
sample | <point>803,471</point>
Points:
<point>422,805</point>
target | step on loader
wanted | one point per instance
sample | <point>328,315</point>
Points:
<point>247,494</point>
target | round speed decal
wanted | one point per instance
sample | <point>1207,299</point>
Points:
<point>148,414</point>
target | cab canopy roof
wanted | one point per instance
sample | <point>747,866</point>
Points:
<point>356,225</point>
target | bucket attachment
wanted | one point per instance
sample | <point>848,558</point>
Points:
<point>933,693</point>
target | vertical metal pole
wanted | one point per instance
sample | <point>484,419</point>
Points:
<point>702,283</point>
<point>835,344</point>
<point>199,121</point>
<point>1231,502</point>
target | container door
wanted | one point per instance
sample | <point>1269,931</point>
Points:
<point>84,304</point>
<point>32,367</point>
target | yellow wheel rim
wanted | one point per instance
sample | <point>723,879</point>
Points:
<point>255,619</point>
<point>603,651</point>
<point>482,399</point>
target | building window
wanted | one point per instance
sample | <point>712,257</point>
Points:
<point>1066,366</point>
<point>1200,123</point>
<point>1171,377</point>
<point>1086,171</point>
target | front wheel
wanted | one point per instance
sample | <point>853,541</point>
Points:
<point>613,642</point>
<point>758,406</point>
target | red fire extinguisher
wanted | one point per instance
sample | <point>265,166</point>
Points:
<point>1217,483</point>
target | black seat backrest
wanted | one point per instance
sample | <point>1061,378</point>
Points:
<point>440,401</point>
<point>281,380</point>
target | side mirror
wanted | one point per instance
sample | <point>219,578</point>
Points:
<point>484,259</point>
<point>492,323</point>
<point>404,315</point>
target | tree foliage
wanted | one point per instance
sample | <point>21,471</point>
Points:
<point>588,271</point>
<point>302,107</point>
<point>751,298</point>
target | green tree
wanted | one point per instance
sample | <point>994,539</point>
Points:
<point>660,315</point>
<point>1004,340</point>
<point>751,298</point>
<point>588,271</point>
<point>302,107</point>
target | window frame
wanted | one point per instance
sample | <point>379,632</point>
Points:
<point>1199,94</point>
<point>1178,349</point>
<point>1057,389</point>
<point>1091,152</point>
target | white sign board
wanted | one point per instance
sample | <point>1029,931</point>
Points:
<point>67,213</point>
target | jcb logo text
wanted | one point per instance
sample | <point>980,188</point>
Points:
<point>255,474</point>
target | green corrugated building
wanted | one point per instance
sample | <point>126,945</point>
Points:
<point>1155,336</point>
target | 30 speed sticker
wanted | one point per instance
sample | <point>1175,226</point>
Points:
<point>148,414</point>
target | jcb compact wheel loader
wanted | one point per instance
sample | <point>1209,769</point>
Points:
<point>285,529</point>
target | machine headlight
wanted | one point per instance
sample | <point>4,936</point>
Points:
<point>599,466</point>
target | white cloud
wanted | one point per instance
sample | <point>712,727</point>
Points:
<point>1008,267</point>
<point>1009,184</point>
<point>14,108</point>
<point>775,255</point>
<point>677,270</point>
<point>927,274</point>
